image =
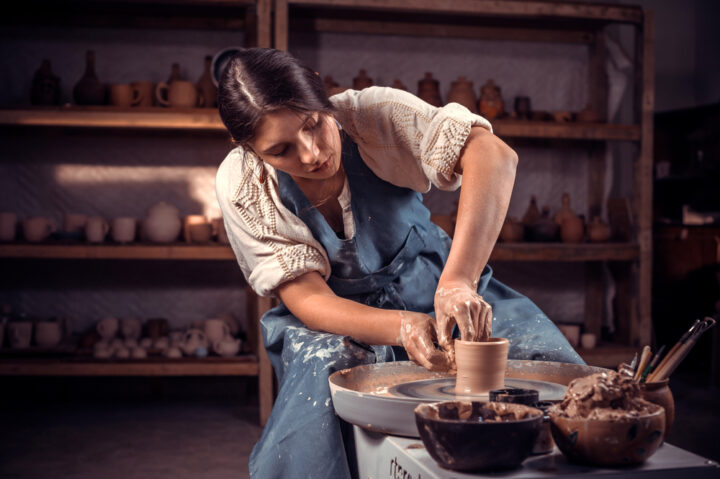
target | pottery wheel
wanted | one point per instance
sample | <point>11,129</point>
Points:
<point>382,397</point>
<point>443,389</point>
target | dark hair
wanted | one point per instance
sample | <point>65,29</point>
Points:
<point>261,80</point>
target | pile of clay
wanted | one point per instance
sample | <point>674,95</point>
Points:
<point>606,395</point>
<point>482,412</point>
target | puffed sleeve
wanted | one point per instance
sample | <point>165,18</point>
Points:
<point>405,140</point>
<point>271,244</point>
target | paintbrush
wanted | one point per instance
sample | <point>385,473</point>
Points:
<point>684,349</point>
<point>673,350</point>
<point>653,363</point>
<point>644,359</point>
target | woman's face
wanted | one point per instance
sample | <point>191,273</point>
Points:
<point>302,145</point>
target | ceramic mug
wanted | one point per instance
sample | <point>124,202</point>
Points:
<point>201,233</point>
<point>96,229</point>
<point>48,333</point>
<point>74,222</point>
<point>123,95</point>
<point>216,330</point>
<point>219,230</point>
<point>8,225</point>
<point>190,220</point>
<point>179,93</point>
<point>131,328</point>
<point>123,229</point>
<point>20,333</point>
<point>145,93</point>
<point>38,228</point>
<point>107,328</point>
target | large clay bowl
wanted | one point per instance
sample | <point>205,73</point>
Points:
<point>602,442</point>
<point>458,435</point>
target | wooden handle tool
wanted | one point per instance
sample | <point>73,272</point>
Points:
<point>644,360</point>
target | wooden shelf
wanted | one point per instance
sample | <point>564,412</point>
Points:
<point>246,365</point>
<point>214,252</point>
<point>608,355</point>
<point>175,251</point>
<point>564,252</point>
<point>208,119</point>
<point>157,118</point>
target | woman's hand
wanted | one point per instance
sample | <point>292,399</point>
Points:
<point>418,335</point>
<point>458,303</point>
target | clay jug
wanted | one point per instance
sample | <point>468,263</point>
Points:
<point>532,214</point>
<point>429,90</point>
<point>45,86</point>
<point>461,91</point>
<point>362,81</point>
<point>598,232</point>
<point>491,104</point>
<point>206,87</point>
<point>512,230</point>
<point>88,90</point>
<point>572,229</point>
<point>397,84</point>
<point>565,210</point>
<point>174,73</point>
<point>480,365</point>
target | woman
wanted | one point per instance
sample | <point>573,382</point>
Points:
<point>322,202</point>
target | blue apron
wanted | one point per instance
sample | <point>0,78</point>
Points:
<point>394,261</point>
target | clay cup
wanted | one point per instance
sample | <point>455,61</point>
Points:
<point>179,93</point>
<point>144,91</point>
<point>480,365</point>
<point>96,229</point>
<point>123,229</point>
<point>38,228</point>
<point>123,95</point>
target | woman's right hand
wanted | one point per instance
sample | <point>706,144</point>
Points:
<point>418,336</point>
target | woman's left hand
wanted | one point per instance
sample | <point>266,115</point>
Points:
<point>458,303</point>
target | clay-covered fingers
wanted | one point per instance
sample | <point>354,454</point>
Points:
<point>417,335</point>
<point>485,321</point>
<point>461,306</point>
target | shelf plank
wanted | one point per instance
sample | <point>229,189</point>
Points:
<point>206,119</point>
<point>568,131</point>
<point>175,251</point>
<point>607,355</point>
<point>493,8</point>
<point>238,366</point>
<point>564,252</point>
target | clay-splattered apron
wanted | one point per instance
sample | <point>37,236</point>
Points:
<point>393,262</point>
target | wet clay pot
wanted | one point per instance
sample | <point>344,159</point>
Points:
<point>605,442</point>
<point>474,436</point>
<point>480,365</point>
<point>429,90</point>
<point>88,90</point>
<point>659,393</point>
<point>461,91</point>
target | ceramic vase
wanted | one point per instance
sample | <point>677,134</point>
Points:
<point>565,210</point>
<point>429,90</point>
<point>480,365</point>
<point>461,91</point>
<point>572,229</point>
<point>45,86</point>
<point>162,223</point>
<point>491,104</point>
<point>88,90</point>
<point>206,87</point>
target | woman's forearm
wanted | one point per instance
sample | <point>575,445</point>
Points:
<point>312,301</point>
<point>488,167</point>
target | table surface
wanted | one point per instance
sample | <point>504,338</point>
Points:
<point>383,456</point>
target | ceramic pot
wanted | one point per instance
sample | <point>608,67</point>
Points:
<point>190,220</point>
<point>162,224</point>
<point>362,81</point>
<point>8,226</point>
<point>491,104</point>
<point>429,90</point>
<point>544,228</point>
<point>173,353</point>
<point>227,347</point>
<point>512,231</point>
<point>138,353</point>
<point>231,322</point>
<point>123,229</point>
<point>659,393</point>
<point>96,229</point>
<point>179,93</point>
<point>122,95</point>
<point>532,214</point>
<point>461,91</point>
<point>74,223</point>
<point>201,233</point>
<point>48,333</point>
<point>565,210</point>
<point>20,334</point>
<point>602,442</point>
<point>216,330</point>
<point>206,87</point>
<point>523,111</point>
<point>588,115</point>
<point>193,340</point>
<point>38,228</point>
<point>131,328</point>
<point>88,90</point>
<point>480,365</point>
<point>145,93</point>
<point>599,232</point>
<point>45,86</point>
<point>156,328</point>
<point>107,328</point>
<point>572,230</point>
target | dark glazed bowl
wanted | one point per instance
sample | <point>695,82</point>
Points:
<point>462,435</point>
<point>603,442</point>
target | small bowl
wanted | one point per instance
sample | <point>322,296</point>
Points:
<point>473,436</point>
<point>608,442</point>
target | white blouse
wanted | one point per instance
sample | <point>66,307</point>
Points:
<point>402,139</point>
